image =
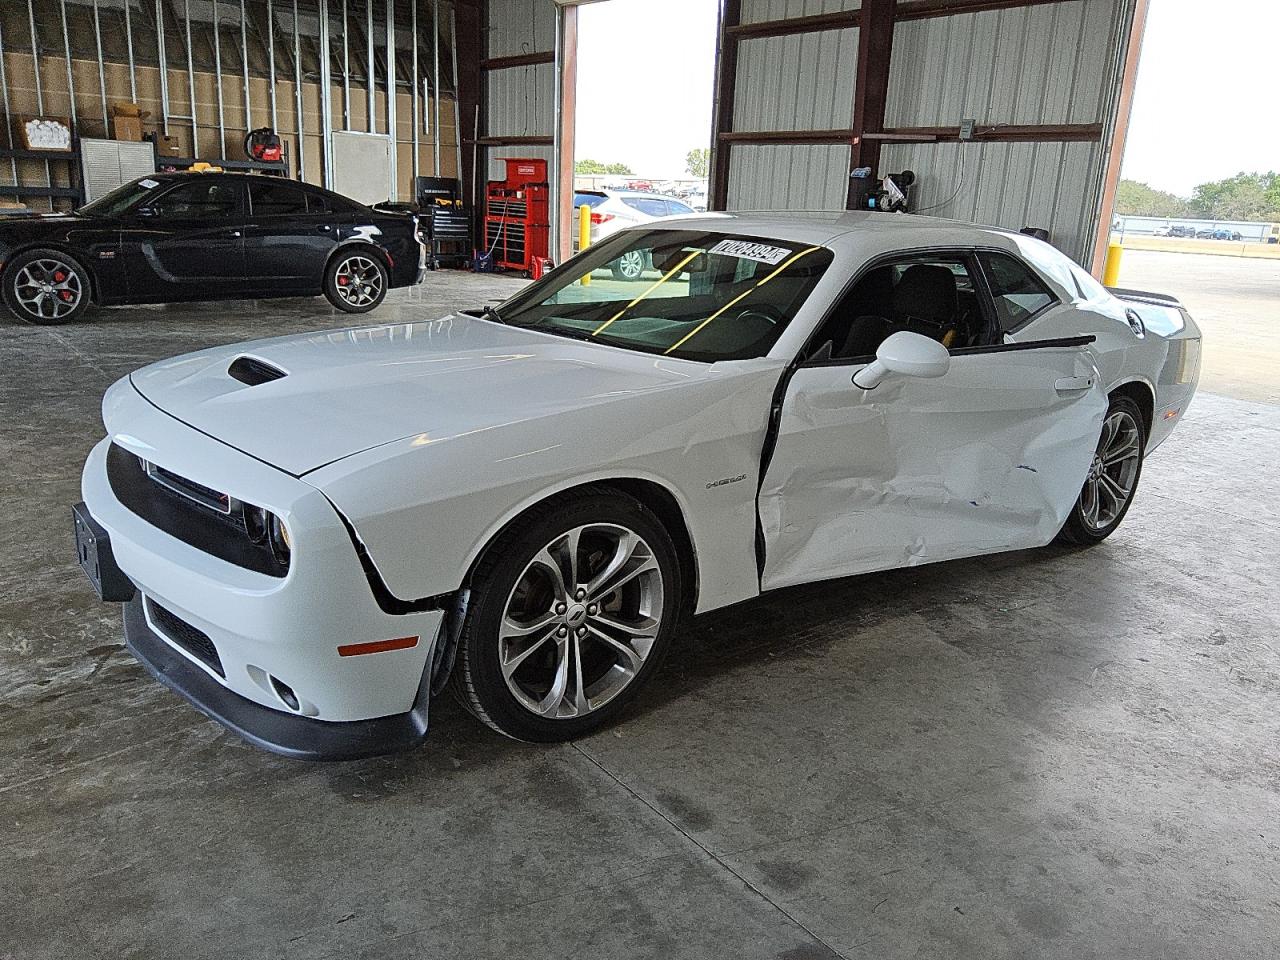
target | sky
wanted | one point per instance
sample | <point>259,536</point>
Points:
<point>645,82</point>
<point>1205,104</point>
<point>1204,107</point>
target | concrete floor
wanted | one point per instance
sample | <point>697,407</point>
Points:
<point>1047,754</point>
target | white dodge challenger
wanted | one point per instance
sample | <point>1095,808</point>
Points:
<point>312,534</point>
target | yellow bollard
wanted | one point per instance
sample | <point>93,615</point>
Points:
<point>1111,268</point>
<point>584,236</point>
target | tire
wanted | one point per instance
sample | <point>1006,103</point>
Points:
<point>629,266</point>
<point>355,281</point>
<point>620,640</point>
<point>1116,468</point>
<point>46,287</point>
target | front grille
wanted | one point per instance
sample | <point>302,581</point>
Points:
<point>186,517</point>
<point>178,631</point>
<point>201,494</point>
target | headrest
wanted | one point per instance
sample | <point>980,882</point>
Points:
<point>927,292</point>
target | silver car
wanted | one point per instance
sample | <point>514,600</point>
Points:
<point>614,210</point>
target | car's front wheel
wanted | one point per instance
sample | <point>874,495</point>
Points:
<point>46,287</point>
<point>355,282</point>
<point>571,612</point>
<point>1113,476</point>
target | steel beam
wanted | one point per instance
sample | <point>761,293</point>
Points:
<point>244,64</point>
<point>162,58</point>
<point>871,86</point>
<point>326,99</point>
<point>71,80</point>
<point>297,92</point>
<point>391,97</point>
<point>435,81</point>
<point>102,70</point>
<point>722,110</point>
<point>217,80</point>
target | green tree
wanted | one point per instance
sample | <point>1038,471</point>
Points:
<point>1246,196</point>
<point>1140,200</point>
<point>698,161</point>
<point>587,167</point>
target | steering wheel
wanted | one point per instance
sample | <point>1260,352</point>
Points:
<point>770,314</point>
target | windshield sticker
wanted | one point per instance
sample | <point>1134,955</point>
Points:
<point>149,183</point>
<point>746,250</point>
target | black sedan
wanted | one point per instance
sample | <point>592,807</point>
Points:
<point>207,236</point>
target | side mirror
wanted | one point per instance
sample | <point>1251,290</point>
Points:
<point>906,354</point>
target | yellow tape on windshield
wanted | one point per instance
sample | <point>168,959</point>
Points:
<point>746,293</point>
<point>665,277</point>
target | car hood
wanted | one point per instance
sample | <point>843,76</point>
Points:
<point>346,391</point>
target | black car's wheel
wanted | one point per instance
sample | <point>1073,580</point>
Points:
<point>46,287</point>
<point>355,282</point>
<point>571,612</point>
<point>629,266</point>
<point>1113,477</point>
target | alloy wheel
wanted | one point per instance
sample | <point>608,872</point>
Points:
<point>47,289</point>
<point>581,621</point>
<point>631,264</point>
<point>1113,472</point>
<point>358,280</point>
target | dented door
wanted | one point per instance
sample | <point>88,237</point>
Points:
<point>989,457</point>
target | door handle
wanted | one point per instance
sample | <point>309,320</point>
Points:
<point>324,228</point>
<point>234,234</point>
<point>1068,384</point>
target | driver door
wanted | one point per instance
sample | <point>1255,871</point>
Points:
<point>188,243</point>
<point>989,457</point>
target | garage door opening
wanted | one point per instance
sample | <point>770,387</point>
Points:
<point>643,116</point>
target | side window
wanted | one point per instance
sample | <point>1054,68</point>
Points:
<point>1016,290</point>
<point>1089,288</point>
<point>198,200</point>
<point>932,296</point>
<point>276,198</point>
<point>1048,261</point>
<point>318,203</point>
<point>676,208</point>
<point>654,208</point>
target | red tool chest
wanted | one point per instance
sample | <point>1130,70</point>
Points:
<point>517,218</point>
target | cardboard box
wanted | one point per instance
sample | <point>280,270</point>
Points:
<point>167,146</point>
<point>126,120</point>
<point>43,133</point>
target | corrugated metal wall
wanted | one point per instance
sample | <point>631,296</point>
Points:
<point>1012,185</point>
<point>1040,64</point>
<point>753,11</point>
<point>798,82</point>
<point>777,176</point>
<point>520,100</point>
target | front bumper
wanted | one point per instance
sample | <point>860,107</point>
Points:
<point>300,738</point>
<point>262,627</point>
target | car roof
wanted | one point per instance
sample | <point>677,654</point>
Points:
<point>838,227</point>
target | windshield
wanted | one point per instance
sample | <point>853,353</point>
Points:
<point>693,294</point>
<point>120,199</point>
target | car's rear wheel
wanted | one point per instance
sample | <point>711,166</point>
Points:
<point>46,287</point>
<point>355,282</point>
<point>629,266</point>
<point>571,612</point>
<point>1113,476</point>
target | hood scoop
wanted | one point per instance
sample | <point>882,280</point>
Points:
<point>252,371</point>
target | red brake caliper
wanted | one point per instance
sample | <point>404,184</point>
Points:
<point>343,281</point>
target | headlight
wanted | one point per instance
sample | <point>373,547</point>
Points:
<point>281,545</point>
<point>256,523</point>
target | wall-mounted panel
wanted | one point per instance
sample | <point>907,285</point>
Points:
<point>521,26</point>
<point>522,101</point>
<point>796,82</point>
<point>1011,185</point>
<point>1041,64</point>
<point>754,11</point>
<point>788,176</point>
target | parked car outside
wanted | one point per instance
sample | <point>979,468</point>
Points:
<point>313,534</point>
<point>614,210</point>
<point>172,237</point>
